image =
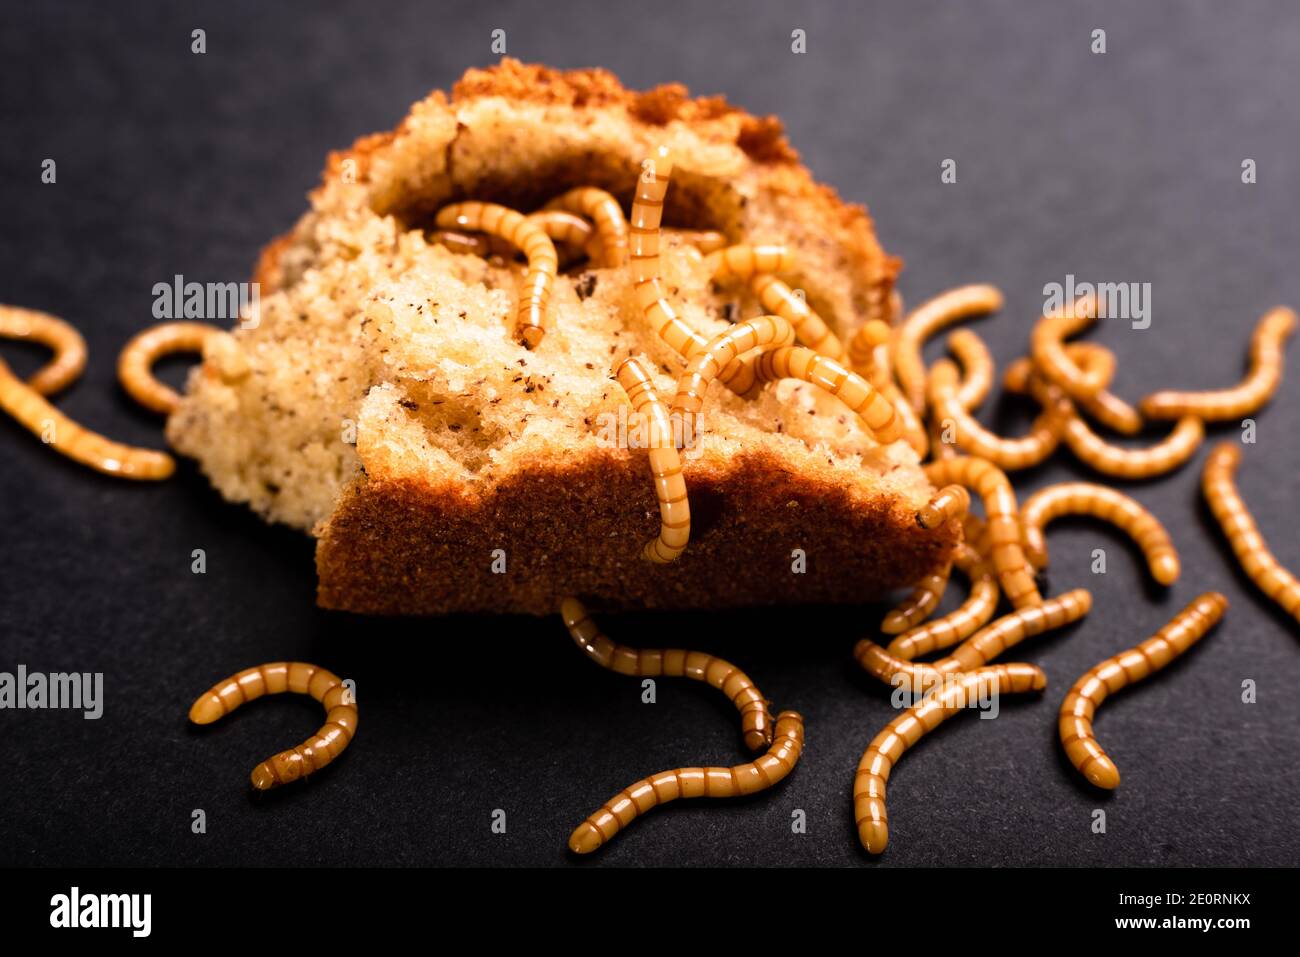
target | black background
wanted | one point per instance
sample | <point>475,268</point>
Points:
<point>1116,167</point>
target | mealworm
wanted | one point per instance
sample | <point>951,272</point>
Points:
<point>809,328</point>
<point>916,607</point>
<point>927,319</point>
<point>543,262</point>
<point>1047,346</point>
<point>719,358</point>
<point>705,240</point>
<point>569,229</point>
<point>1108,504</point>
<point>868,355</point>
<point>313,754</point>
<point>1249,395</point>
<point>1106,407</point>
<point>1006,453</point>
<point>465,243</point>
<point>665,463</point>
<point>869,811</point>
<point>862,345</point>
<point>959,624</point>
<point>607,215</point>
<point>135,363</point>
<point>950,502</point>
<point>1014,572</point>
<point>981,647</point>
<point>76,441</point>
<point>1128,667</point>
<point>30,325</point>
<point>744,261</point>
<point>977,368</point>
<point>1230,511</point>
<point>630,803</point>
<point>800,362</point>
<point>755,719</point>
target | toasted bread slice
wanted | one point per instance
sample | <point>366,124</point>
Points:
<point>382,402</point>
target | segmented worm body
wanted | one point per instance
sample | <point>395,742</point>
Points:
<point>862,347</point>
<point>868,354</point>
<point>800,362</point>
<point>1250,395</point>
<point>30,325</point>
<point>949,503</point>
<point>1128,667</point>
<point>1014,572</point>
<point>705,240</point>
<point>924,599</point>
<point>1007,454</point>
<point>607,215</point>
<point>135,362</point>
<point>928,318</point>
<point>1256,559</point>
<point>1105,407</point>
<point>1107,504</point>
<point>904,731</point>
<point>744,261</point>
<point>665,462</point>
<point>719,359</point>
<point>543,262</point>
<point>1165,456</point>
<point>755,719</point>
<point>977,367</point>
<point>980,648</point>
<point>959,624</point>
<point>1047,346</point>
<point>570,230</point>
<point>809,328</point>
<point>300,678</point>
<point>648,793</point>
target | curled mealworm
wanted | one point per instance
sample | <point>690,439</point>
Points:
<point>1251,394</point>
<point>868,355</point>
<point>705,240</point>
<point>569,229</point>
<point>928,318</point>
<point>606,213</point>
<point>1253,554</point>
<point>744,261</point>
<point>30,325</point>
<point>665,463</point>
<point>1047,347</point>
<point>755,719</point>
<point>862,346</point>
<point>630,803</point>
<point>1105,407</point>
<point>76,441</point>
<point>135,362</point>
<point>543,262</point>
<point>809,328</point>
<point>950,502</point>
<point>1014,572</point>
<point>977,368</point>
<point>301,678</point>
<point>1128,667</point>
<point>869,811</point>
<point>1108,504</point>
<point>720,359</point>
<point>467,244</point>
<point>980,648</point>
<point>800,362</point>
<point>916,607</point>
<point>959,624</point>
<point>1007,454</point>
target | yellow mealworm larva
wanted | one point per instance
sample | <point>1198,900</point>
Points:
<point>980,648</point>
<point>990,483</point>
<point>868,355</point>
<point>705,240</point>
<point>1128,667</point>
<point>916,607</point>
<point>1105,407</point>
<point>755,719</point>
<point>1007,454</point>
<point>950,502</point>
<point>300,678</point>
<point>745,261</point>
<point>720,359</point>
<point>1248,396</point>
<point>69,347</point>
<point>464,243</point>
<point>135,363</point>
<point>607,215</point>
<point>75,441</point>
<point>862,346</point>
<point>959,624</point>
<point>1256,559</point>
<point>800,362</point>
<point>543,262</point>
<point>904,731</point>
<point>665,462</point>
<point>630,803</point>
<point>977,368</point>
<point>1165,456</point>
<point>1047,347</point>
<point>569,229</point>
<point>1108,504</point>
<point>927,319</point>
<point>809,328</point>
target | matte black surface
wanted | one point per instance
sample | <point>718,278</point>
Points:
<point>1116,167</point>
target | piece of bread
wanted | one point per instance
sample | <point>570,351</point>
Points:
<point>382,402</point>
